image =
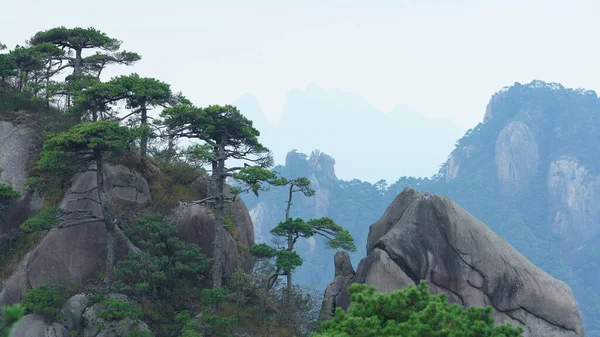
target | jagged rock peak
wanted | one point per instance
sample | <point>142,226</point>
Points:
<point>343,265</point>
<point>344,275</point>
<point>318,163</point>
<point>429,237</point>
<point>323,163</point>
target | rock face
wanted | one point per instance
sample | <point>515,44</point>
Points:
<point>344,275</point>
<point>429,237</point>
<point>196,224</point>
<point>517,157</point>
<point>76,253</point>
<point>18,151</point>
<point>35,326</point>
<point>573,199</point>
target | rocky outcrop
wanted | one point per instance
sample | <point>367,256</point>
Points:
<point>79,317</point>
<point>573,200</point>
<point>429,237</point>
<point>516,157</point>
<point>196,224</point>
<point>76,253</point>
<point>344,275</point>
<point>35,326</point>
<point>72,312</point>
<point>95,326</point>
<point>19,147</point>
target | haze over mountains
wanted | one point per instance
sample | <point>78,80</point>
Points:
<point>368,144</point>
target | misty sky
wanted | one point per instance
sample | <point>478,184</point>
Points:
<point>442,58</point>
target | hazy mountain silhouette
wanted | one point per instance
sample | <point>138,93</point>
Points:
<point>367,143</point>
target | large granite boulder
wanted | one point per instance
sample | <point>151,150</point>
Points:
<point>76,253</point>
<point>196,224</point>
<point>429,237</point>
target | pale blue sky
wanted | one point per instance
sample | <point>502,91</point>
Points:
<point>442,58</point>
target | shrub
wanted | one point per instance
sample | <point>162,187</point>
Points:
<point>95,298</point>
<point>46,301</point>
<point>116,310</point>
<point>42,220</point>
<point>411,312</point>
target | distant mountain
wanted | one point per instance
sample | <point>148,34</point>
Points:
<point>530,171</point>
<point>365,142</point>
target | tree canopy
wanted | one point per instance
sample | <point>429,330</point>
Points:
<point>411,312</point>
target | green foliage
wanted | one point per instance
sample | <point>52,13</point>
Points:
<point>410,312</point>
<point>166,265</point>
<point>255,176</point>
<point>7,193</point>
<point>213,123</point>
<point>97,98</point>
<point>288,260</point>
<point>116,310</point>
<point>143,92</point>
<point>42,220</point>
<point>214,295</point>
<point>76,38</point>
<point>9,316</point>
<point>262,250</point>
<point>45,300</point>
<point>295,228</point>
<point>95,298</point>
<point>166,275</point>
<point>105,136</point>
<point>199,154</point>
<point>68,152</point>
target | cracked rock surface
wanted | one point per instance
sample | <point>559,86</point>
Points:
<point>429,237</point>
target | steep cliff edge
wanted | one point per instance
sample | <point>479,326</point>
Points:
<point>429,237</point>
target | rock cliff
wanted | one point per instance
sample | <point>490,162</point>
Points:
<point>75,253</point>
<point>429,237</point>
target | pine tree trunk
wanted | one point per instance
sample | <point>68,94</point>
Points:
<point>144,140</point>
<point>219,209</point>
<point>77,69</point>
<point>290,244</point>
<point>109,224</point>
